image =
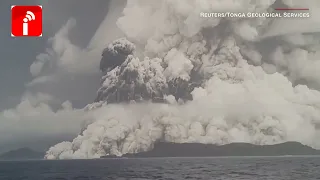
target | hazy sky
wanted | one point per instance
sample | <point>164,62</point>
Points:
<point>17,54</point>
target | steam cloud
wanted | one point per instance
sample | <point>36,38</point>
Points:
<point>180,78</point>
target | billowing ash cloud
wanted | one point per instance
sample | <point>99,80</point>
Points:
<point>221,80</point>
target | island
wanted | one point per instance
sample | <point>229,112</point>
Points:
<point>166,149</point>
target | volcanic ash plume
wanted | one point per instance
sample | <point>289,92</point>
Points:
<point>180,78</point>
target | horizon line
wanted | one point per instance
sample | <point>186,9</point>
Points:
<point>292,9</point>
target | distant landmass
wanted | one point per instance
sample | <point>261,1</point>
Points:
<point>164,149</point>
<point>22,154</point>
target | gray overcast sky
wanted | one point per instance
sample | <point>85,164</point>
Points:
<point>17,54</point>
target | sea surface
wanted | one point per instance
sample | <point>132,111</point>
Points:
<point>248,168</point>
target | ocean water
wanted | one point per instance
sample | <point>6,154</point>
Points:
<point>248,168</point>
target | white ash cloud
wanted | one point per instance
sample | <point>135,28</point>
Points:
<point>220,83</point>
<point>33,120</point>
